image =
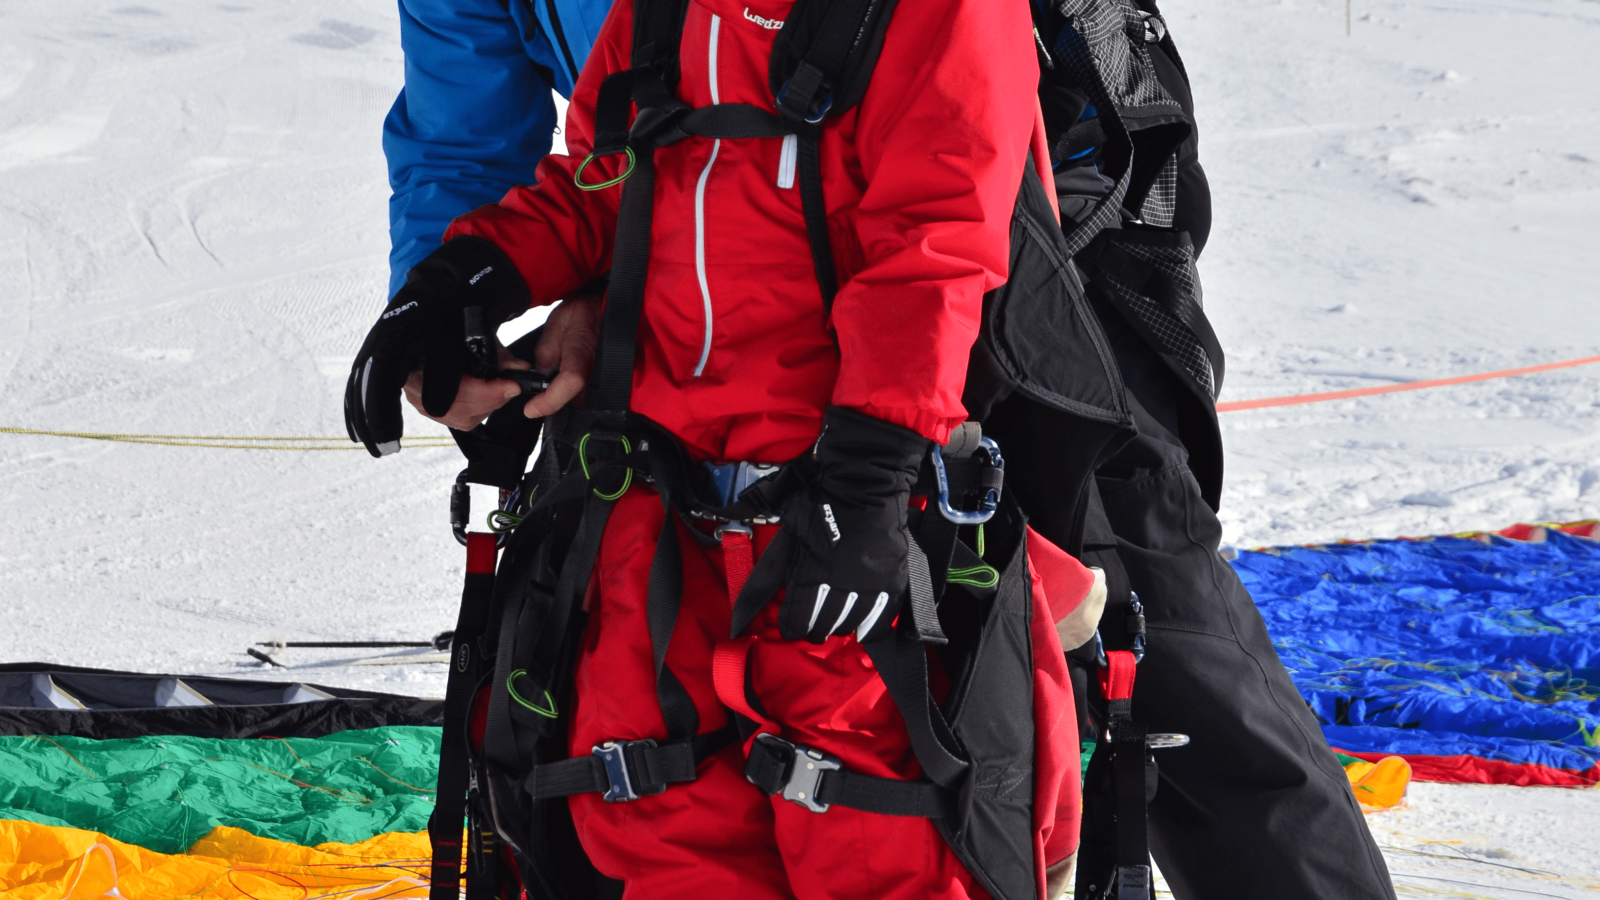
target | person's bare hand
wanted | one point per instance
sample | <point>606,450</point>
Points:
<point>475,399</point>
<point>567,344</point>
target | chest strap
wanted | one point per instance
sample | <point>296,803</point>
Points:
<point>626,770</point>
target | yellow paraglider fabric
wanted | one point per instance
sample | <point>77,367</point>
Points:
<point>1379,785</point>
<point>50,862</point>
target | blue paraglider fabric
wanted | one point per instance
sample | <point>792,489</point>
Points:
<point>1443,647</point>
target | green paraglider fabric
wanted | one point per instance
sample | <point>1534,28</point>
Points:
<point>164,793</point>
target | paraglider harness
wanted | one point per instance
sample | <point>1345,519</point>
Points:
<point>1117,108</point>
<point>505,766</point>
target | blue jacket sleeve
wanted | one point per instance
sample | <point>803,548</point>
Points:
<point>473,120</point>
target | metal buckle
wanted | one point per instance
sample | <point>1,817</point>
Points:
<point>991,498</point>
<point>804,773</point>
<point>731,479</point>
<point>1165,740</point>
<point>619,787</point>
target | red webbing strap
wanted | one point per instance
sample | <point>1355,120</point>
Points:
<point>731,659</point>
<point>738,559</point>
<point>1116,679</point>
<point>481,552</point>
<point>729,663</point>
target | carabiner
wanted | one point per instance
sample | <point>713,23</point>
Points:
<point>991,498</point>
<point>1137,609</point>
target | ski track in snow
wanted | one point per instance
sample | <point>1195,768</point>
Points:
<point>193,241</point>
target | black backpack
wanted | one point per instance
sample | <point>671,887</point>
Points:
<point>1042,365</point>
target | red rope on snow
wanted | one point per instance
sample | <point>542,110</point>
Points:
<point>1298,399</point>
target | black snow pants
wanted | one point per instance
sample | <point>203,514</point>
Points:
<point>1256,806</point>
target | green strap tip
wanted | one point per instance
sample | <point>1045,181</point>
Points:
<point>548,710</point>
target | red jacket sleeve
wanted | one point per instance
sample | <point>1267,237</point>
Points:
<point>560,237</point>
<point>943,133</point>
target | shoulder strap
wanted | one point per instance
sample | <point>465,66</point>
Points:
<point>824,55</point>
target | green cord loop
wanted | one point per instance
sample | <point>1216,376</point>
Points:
<point>975,576</point>
<point>583,459</point>
<point>549,708</point>
<point>980,541</point>
<point>501,521</point>
<point>577,177</point>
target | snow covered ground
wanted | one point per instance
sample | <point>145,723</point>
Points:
<point>193,236</point>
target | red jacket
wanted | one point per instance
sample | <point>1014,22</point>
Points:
<point>735,355</point>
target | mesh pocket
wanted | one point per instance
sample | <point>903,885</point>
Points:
<point>1150,276</point>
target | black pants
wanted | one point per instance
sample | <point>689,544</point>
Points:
<point>1256,806</point>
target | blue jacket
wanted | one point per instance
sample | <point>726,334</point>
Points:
<point>476,113</point>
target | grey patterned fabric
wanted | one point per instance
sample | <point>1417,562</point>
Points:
<point>1169,311</point>
<point>1113,36</point>
<point>1161,203</point>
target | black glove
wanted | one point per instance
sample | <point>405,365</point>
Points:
<point>850,569</point>
<point>442,321</point>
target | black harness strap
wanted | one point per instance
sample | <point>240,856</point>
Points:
<point>450,805</point>
<point>902,663</point>
<point>651,767</point>
<point>815,208</point>
<point>771,767</point>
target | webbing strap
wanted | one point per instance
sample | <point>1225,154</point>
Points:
<point>1116,679</point>
<point>450,805</point>
<point>662,604</point>
<point>737,560</point>
<point>886,796</point>
<point>612,384</point>
<point>815,208</point>
<point>924,595</point>
<point>730,660</point>
<point>902,663</point>
<point>772,765</point>
<point>651,768</point>
<point>730,675</point>
<point>766,579</point>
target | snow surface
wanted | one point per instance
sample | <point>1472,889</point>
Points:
<point>193,241</point>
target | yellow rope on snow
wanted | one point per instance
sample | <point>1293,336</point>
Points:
<point>226,442</point>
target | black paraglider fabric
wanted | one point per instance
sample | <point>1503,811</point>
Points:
<point>122,705</point>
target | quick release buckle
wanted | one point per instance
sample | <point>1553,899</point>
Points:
<point>731,479</point>
<point>798,770</point>
<point>621,785</point>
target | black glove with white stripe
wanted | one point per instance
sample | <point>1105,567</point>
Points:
<point>443,321</point>
<point>850,571</point>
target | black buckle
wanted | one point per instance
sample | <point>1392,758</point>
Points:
<point>793,770</point>
<point>622,785</point>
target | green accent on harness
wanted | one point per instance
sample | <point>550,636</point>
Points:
<point>975,576</point>
<point>165,792</point>
<point>980,542</point>
<point>1085,753</point>
<point>583,459</point>
<point>501,521</point>
<point>549,708</point>
<point>578,175</point>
